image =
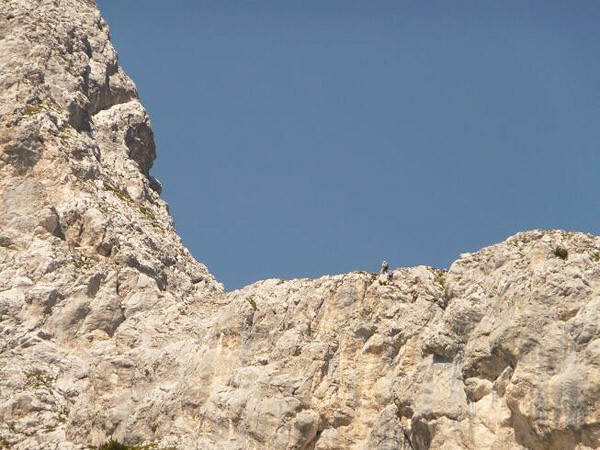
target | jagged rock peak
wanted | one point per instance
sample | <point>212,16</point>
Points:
<point>77,148</point>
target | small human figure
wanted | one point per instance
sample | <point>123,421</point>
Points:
<point>384,268</point>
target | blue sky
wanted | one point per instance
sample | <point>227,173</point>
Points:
<point>302,138</point>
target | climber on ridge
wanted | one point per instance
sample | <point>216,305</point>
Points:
<point>384,268</point>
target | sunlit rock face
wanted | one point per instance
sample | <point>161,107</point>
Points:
<point>109,329</point>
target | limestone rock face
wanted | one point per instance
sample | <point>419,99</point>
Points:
<point>88,252</point>
<point>110,329</point>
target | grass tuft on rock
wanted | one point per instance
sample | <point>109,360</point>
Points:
<point>561,252</point>
<point>116,445</point>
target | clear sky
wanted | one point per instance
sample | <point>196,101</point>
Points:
<point>308,137</point>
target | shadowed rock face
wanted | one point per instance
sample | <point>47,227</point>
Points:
<point>110,329</point>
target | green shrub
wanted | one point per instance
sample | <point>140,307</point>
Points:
<point>252,302</point>
<point>561,252</point>
<point>37,379</point>
<point>35,108</point>
<point>114,445</point>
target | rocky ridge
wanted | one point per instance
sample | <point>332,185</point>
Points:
<point>110,329</point>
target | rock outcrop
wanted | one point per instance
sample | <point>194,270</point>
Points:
<point>109,329</point>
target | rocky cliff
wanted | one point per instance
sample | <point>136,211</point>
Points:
<point>109,329</point>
